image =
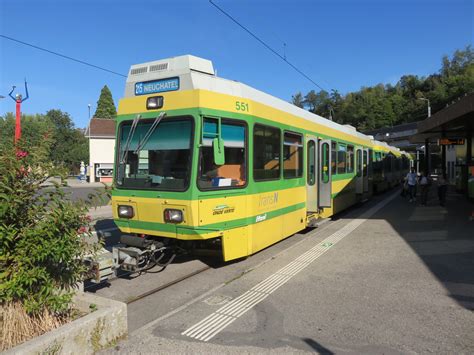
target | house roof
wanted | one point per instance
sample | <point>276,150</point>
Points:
<point>101,128</point>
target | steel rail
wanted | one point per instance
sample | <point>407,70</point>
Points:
<point>169,284</point>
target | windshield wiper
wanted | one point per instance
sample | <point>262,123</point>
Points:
<point>123,158</point>
<point>148,134</point>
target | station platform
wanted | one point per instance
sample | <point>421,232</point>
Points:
<point>388,276</point>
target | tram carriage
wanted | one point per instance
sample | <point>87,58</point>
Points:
<point>205,163</point>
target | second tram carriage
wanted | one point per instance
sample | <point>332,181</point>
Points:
<point>208,163</point>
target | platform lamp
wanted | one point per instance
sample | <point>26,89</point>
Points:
<point>429,107</point>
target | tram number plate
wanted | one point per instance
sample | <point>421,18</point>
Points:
<point>242,106</point>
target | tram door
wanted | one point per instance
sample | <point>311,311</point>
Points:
<point>370,172</point>
<point>365,169</point>
<point>359,172</point>
<point>324,173</point>
<point>311,170</point>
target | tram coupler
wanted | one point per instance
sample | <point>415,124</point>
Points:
<point>100,266</point>
<point>138,254</point>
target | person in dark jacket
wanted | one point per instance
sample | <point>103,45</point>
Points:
<point>442,189</point>
<point>425,188</point>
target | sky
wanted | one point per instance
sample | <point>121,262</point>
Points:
<point>339,44</point>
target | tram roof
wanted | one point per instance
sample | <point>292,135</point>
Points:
<point>197,73</point>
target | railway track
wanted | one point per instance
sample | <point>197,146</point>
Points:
<point>321,225</point>
<point>111,280</point>
<point>169,284</point>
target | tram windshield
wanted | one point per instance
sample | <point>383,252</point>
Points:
<point>156,154</point>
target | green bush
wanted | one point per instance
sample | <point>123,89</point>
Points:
<point>43,234</point>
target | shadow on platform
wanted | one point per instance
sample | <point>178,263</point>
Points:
<point>442,237</point>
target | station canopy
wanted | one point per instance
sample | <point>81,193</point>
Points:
<point>454,121</point>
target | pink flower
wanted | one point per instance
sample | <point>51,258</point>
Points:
<point>82,229</point>
<point>22,172</point>
<point>21,154</point>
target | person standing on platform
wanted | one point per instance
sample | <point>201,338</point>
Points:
<point>442,189</point>
<point>425,187</point>
<point>411,182</point>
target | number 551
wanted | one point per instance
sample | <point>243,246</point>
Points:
<point>241,106</point>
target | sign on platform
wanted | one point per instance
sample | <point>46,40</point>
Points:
<point>451,141</point>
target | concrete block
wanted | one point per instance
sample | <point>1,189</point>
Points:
<point>102,327</point>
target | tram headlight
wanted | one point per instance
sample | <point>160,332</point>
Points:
<point>125,211</point>
<point>173,216</point>
<point>154,102</point>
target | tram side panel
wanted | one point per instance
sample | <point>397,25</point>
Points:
<point>278,194</point>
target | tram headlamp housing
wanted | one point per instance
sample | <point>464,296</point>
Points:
<point>173,215</point>
<point>125,211</point>
<point>154,102</point>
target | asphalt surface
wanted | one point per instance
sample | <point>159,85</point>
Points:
<point>76,190</point>
<point>402,281</point>
<point>83,193</point>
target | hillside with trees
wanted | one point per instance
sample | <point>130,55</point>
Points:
<point>386,105</point>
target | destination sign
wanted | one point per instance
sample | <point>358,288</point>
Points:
<point>451,141</point>
<point>152,87</point>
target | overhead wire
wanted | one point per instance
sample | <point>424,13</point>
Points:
<point>266,45</point>
<point>62,55</point>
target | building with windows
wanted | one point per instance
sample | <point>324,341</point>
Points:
<point>101,134</point>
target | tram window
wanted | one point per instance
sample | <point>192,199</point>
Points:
<point>405,164</point>
<point>162,162</point>
<point>311,156</point>
<point>292,155</point>
<point>333,158</point>
<point>325,162</point>
<point>366,167</point>
<point>350,159</point>
<point>234,172</point>
<point>378,163</point>
<point>341,158</point>
<point>266,153</point>
<point>359,163</point>
<point>387,163</point>
<point>371,163</point>
<point>378,156</point>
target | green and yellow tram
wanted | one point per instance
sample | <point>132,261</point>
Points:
<point>208,163</point>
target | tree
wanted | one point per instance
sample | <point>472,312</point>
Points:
<point>105,105</point>
<point>70,146</point>
<point>336,100</point>
<point>41,240</point>
<point>33,127</point>
<point>311,101</point>
<point>298,100</point>
<point>387,105</point>
<point>321,103</point>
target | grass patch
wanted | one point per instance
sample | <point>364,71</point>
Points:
<point>17,326</point>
